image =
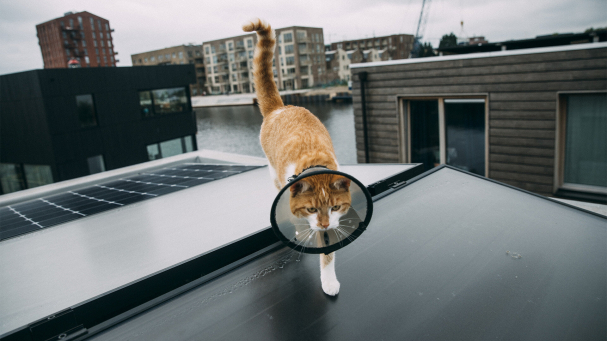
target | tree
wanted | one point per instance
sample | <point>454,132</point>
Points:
<point>426,50</point>
<point>448,40</point>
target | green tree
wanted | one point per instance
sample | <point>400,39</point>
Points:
<point>448,40</point>
<point>598,29</point>
<point>426,50</point>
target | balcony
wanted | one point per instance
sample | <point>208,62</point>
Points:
<point>239,48</point>
<point>70,28</point>
<point>305,62</point>
<point>304,40</point>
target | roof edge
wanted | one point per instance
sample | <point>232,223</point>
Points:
<point>537,50</point>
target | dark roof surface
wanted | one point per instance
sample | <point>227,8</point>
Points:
<point>439,261</point>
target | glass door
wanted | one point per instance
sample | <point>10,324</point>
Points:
<point>465,134</point>
<point>448,131</point>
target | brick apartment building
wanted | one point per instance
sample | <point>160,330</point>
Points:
<point>82,36</point>
<point>340,55</point>
<point>299,60</point>
<point>398,46</point>
<point>182,54</point>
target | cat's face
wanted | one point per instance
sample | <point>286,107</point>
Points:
<point>321,199</point>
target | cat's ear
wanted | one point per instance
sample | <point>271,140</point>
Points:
<point>341,183</point>
<point>299,187</point>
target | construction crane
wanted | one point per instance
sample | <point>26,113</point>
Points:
<point>421,26</point>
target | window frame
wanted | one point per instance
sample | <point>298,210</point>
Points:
<point>404,123</point>
<point>183,146</point>
<point>154,115</point>
<point>559,147</point>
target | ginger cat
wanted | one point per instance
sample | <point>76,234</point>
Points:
<point>293,139</point>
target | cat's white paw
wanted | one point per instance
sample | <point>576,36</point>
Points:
<point>330,287</point>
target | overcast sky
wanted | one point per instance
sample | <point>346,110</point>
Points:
<point>153,24</point>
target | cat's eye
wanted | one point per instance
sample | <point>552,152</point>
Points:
<point>336,207</point>
<point>312,210</point>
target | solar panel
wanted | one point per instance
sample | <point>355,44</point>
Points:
<point>44,212</point>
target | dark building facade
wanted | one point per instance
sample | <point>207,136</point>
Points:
<point>479,44</point>
<point>61,124</point>
<point>531,118</point>
<point>82,36</point>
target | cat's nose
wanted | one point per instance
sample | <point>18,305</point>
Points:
<point>324,225</point>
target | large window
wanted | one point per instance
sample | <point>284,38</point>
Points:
<point>96,164</point>
<point>171,147</point>
<point>288,37</point>
<point>583,145</point>
<point>85,107</point>
<point>163,101</point>
<point>16,177</point>
<point>447,131</point>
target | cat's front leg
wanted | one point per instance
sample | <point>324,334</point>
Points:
<point>330,285</point>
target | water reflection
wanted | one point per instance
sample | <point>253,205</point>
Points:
<point>236,129</point>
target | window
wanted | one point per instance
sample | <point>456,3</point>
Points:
<point>99,24</point>
<point>250,54</point>
<point>145,60</point>
<point>180,55</point>
<point>301,35</point>
<point>84,43</point>
<point>447,131</point>
<point>288,49</point>
<point>171,147</point>
<point>206,50</point>
<point>290,60</point>
<point>288,37</point>
<point>16,177</point>
<point>231,57</point>
<point>234,66</point>
<point>80,22</point>
<point>96,164</point>
<point>230,46</point>
<point>94,36</point>
<point>85,107</point>
<point>583,142</point>
<point>249,43</point>
<point>92,25</point>
<point>107,27</point>
<point>160,58</point>
<point>163,101</point>
<point>101,35</point>
<point>102,43</point>
<point>12,178</point>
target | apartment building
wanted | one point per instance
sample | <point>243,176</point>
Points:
<point>298,61</point>
<point>397,46</point>
<point>338,61</point>
<point>176,55</point>
<point>82,36</point>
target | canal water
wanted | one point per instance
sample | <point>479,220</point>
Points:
<point>236,129</point>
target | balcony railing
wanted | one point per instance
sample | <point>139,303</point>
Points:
<point>304,40</point>
<point>305,62</point>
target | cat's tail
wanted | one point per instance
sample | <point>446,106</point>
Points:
<point>267,93</point>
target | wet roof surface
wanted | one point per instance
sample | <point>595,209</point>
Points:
<point>440,260</point>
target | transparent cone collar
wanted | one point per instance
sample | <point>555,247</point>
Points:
<point>343,213</point>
